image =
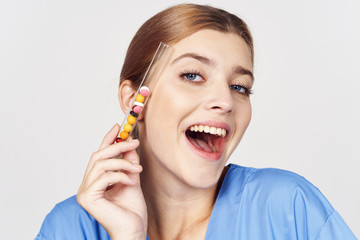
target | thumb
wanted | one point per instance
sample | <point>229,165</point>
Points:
<point>131,156</point>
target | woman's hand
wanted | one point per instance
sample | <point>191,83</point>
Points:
<point>110,190</point>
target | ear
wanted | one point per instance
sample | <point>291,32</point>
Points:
<point>126,94</point>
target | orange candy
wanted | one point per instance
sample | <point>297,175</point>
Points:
<point>127,127</point>
<point>131,119</point>
<point>124,135</point>
<point>139,98</point>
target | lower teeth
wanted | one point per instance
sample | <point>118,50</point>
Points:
<point>204,141</point>
<point>213,149</point>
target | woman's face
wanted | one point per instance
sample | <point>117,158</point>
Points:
<point>205,87</point>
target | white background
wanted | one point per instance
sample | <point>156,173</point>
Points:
<point>59,68</point>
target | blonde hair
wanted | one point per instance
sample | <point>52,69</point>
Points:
<point>172,25</point>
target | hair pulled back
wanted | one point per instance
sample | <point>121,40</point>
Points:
<point>171,26</point>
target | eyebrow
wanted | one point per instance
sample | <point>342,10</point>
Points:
<point>237,69</point>
<point>198,57</point>
<point>243,71</point>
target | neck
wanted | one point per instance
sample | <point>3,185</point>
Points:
<point>175,209</point>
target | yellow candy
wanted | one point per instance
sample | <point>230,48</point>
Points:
<point>127,127</point>
<point>131,119</point>
<point>124,135</point>
<point>139,98</point>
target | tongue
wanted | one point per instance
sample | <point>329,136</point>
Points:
<point>205,144</point>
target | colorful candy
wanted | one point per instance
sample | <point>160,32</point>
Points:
<point>128,127</point>
<point>131,119</point>
<point>136,109</point>
<point>138,104</point>
<point>124,135</point>
<point>132,113</point>
<point>140,98</point>
<point>144,91</point>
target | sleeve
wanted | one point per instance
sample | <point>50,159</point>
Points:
<point>68,220</point>
<point>314,213</point>
<point>59,225</point>
<point>335,228</point>
<point>40,237</point>
<point>293,208</point>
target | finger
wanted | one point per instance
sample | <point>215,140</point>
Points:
<point>108,179</point>
<point>110,137</point>
<point>103,166</point>
<point>133,157</point>
<point>111,151</point>
<point>115,150</point>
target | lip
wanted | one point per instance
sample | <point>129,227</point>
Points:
<point>212,123</point>
<point>207,155</point>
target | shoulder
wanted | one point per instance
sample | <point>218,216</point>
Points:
<point>275,181</point>
<point>287,190</point>
<point>68,220</point>
<point>67,206</point>
<point>272,182</point>
<point>272,176</point>
<point>272,198</point>
<point>272,204</point>
<point>284,204</point>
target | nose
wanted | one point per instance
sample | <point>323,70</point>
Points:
<point>220,98</point>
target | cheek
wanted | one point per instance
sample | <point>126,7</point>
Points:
<point>245,112</point>
<point>248,113</point>
<point>242,119</point>
<point>164,111</point>
<point>160,127</point>
<point>170,103</point>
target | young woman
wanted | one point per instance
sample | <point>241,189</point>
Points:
<point>171,181</point>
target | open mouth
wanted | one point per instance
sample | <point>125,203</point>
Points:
<point>206,138</point>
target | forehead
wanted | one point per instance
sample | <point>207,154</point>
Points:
<point>221,47</point>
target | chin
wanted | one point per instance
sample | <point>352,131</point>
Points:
<point>203,177</point>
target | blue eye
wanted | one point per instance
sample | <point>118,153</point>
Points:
<point>240,89</point>
<point>192,76</point>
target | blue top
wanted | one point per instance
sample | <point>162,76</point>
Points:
<point>252,204</point>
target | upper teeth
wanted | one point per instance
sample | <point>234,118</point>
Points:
<point>207,129</point>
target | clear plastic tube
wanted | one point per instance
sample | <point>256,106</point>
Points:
<point>143,93</point>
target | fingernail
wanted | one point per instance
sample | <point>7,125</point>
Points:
<point>114,127</point>
<point>137,166</point>
<point>132,181</point>
<point>134,141</point>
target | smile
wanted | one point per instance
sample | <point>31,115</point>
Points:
<point>208,141</point>
<point>207,129</point>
